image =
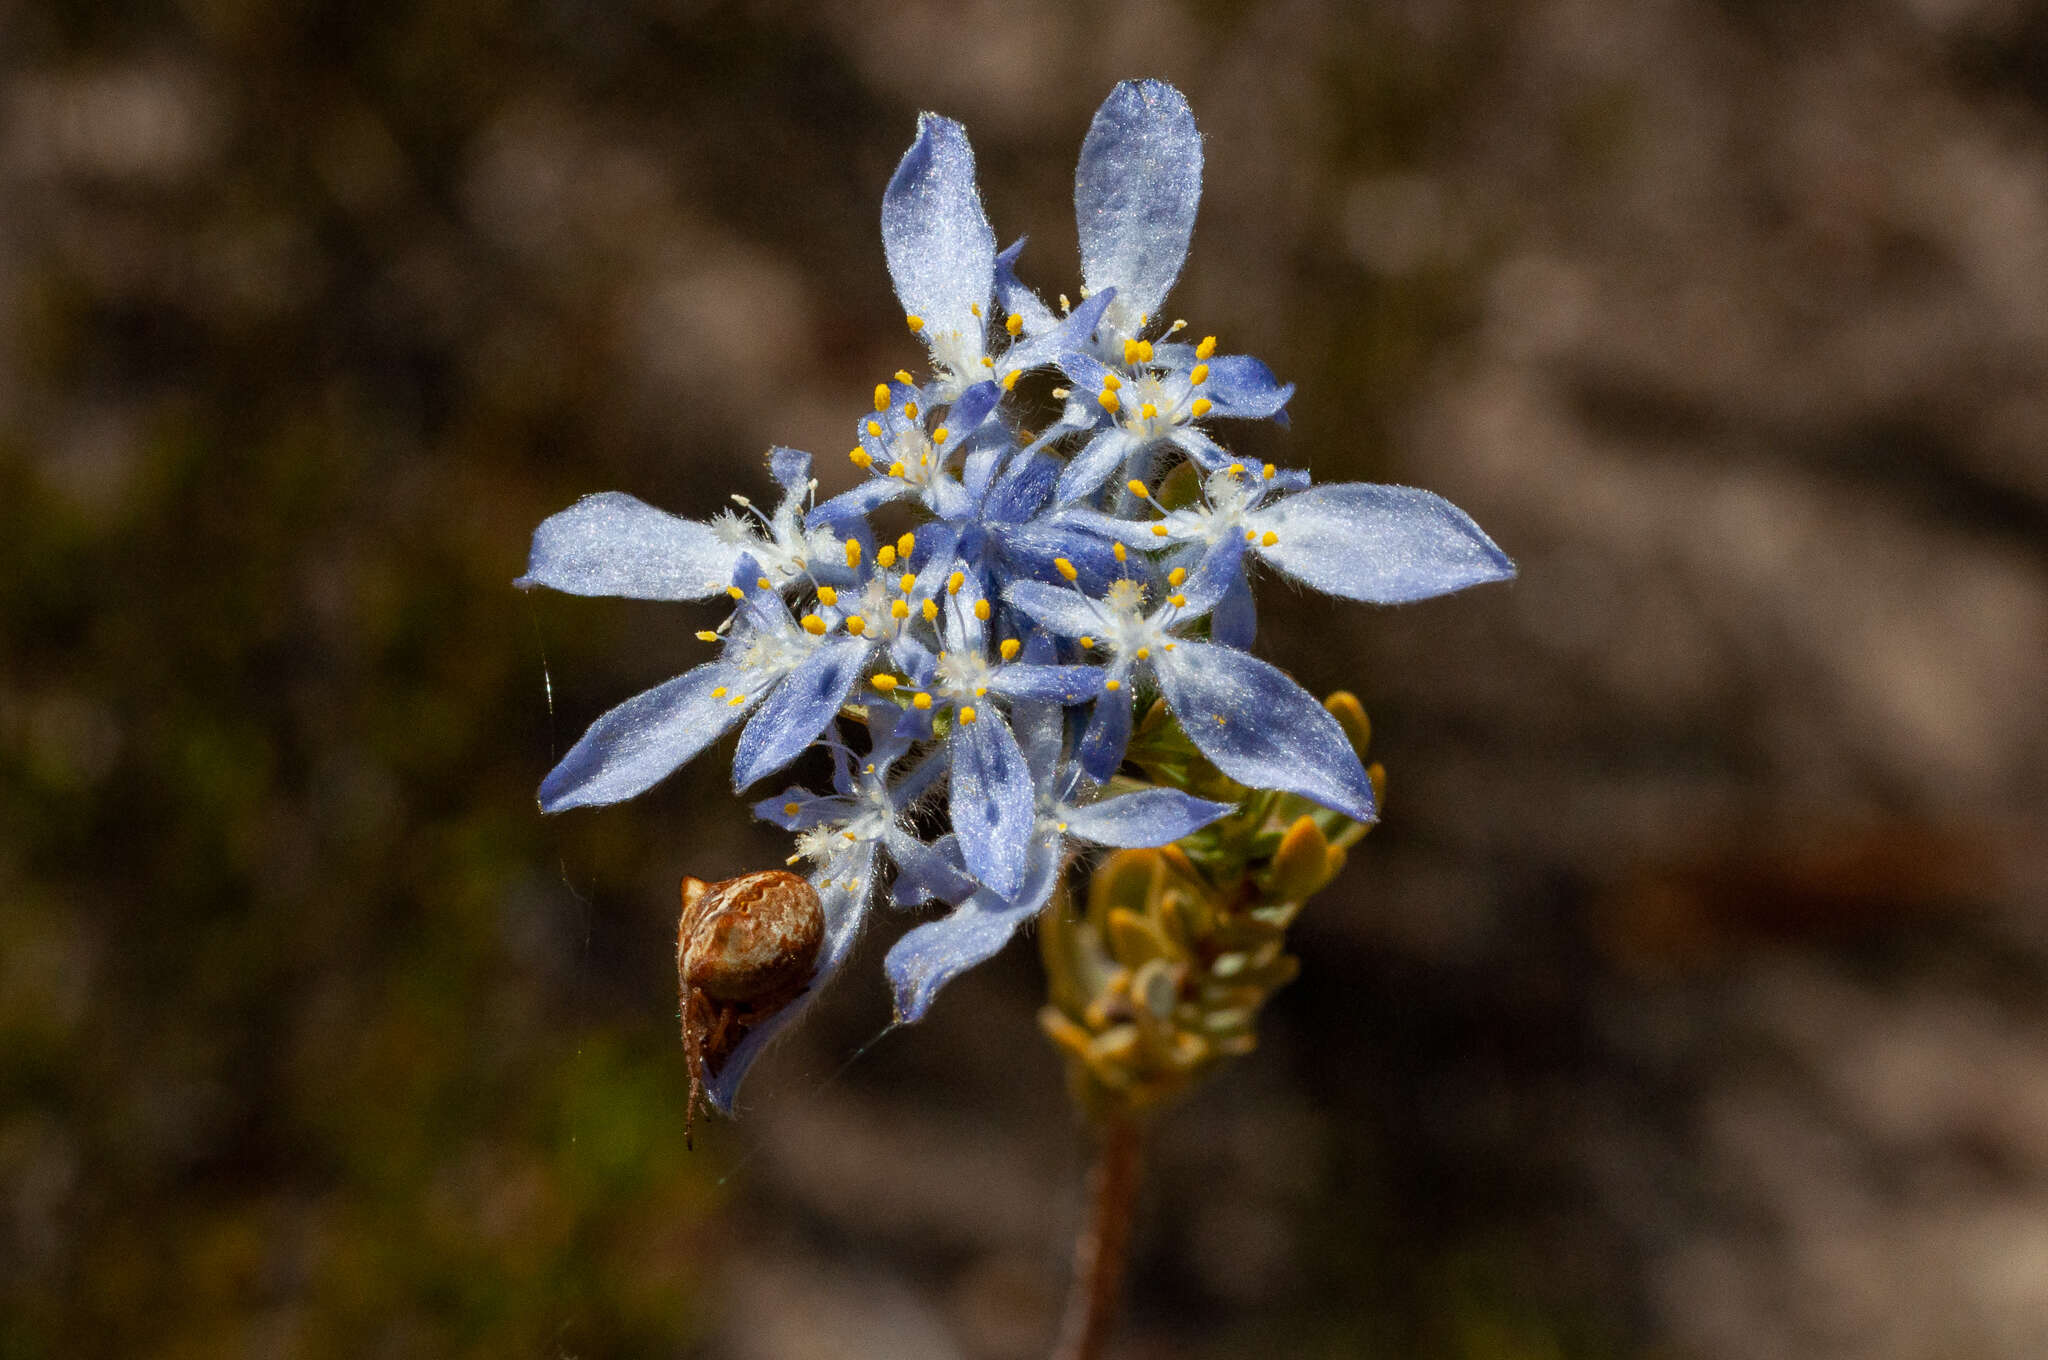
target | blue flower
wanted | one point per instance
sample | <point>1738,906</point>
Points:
<point>1065,810</point>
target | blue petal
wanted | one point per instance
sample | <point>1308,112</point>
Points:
<point>926,873</point>
<point>807,699</point>
<point>1022,490</point>
<point>941,250</point>
<point>1053,684</point>
<point>845,909</point>
<point>991,801</point>
<point>967,413</point>
<point>1108,731</point>
<point>1062,609</point>
<point>791,468</point>
<point>852,505</point>
<point>643,740</point>
<point>1095,464</point>
<point>1135,194</point>
<point>1041,730</point>
<point>1148,817</point>
<point>1076,329</point>
<point>1220,568</point>
<point>1380,544</point>
<point>1037,547</point>
<point>1203,451</point>
<point>1242,386</point>
<point>1260,728</point>
<point>612,544</point>
<point>811,809</point>
<point>1234,621</point>
<point>1013,296</point>
<point>933,954</point>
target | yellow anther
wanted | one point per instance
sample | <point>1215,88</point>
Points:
<point>884,682</point>
<point>955,581</point>
<point>967,713</point>
<point>910,410</point>
<point>1120,550</point>
<point>903,376</point>
<point>896,468</point>
<point>1159,531</point>
<point>827,595</point>
<point>1251,535</point>
<point>885,557</point>
<point>1107,401</point>
<point>875,429</point>
<point>881,403</point>
<point>1112,685</point>
<point>1087,641</point>
<point>1111,382</point>
<point>981,610</point>
<point>1014,323</point>
<point>930,610</point>
<point>1177,601</point>
<point>921,701</point>
<point>939,435</point>
<point>736,700</point>
<point>1130,353</point>
<point>981,691</point>
<point>791,809</point>
<point>1268,471</point>
<point>1206,348</point>
<point>1143,653</point>
<point>1235,469</point>
<point>1139,489</point>
<point>719,693</point>
<point>906,545</point>
<point>852,552</point>
<point>1268,539</point>
<point>906,582</point>
<point>987,362</point>
<point>899,609</point>
<point>761,582</point>
<point>1010,647</point>
<point>706,635</point>
<point>856,625</point>
<point>1144,351</point>
<point>860,458</point>
<point>813,625</point>
<point>1010,380</point>
<point>1067,569</point>
<point>1222,721</point>
<point>1198,375</point>
<point>736,592</point>
<point>974,307</point>
<point>916,323</point>
<point>1200,407</point>
<point>1176,576</point>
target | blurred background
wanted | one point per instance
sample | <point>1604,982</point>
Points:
<point>1689,1002</point>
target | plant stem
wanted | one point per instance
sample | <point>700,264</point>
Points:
<point>1102,1248</point>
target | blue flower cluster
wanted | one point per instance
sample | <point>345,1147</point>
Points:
<point>995,649</point>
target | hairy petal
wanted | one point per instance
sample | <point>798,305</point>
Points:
<point>1242,386</point>
<point>798,710</point>
<point>1260,728</point>
<point>1062,609</point>
<point>1135,193</point>
<point>991,801</point>
<point>1055,684</point>
<point>1109,729</point>
<point>935,953</point>
<point>1095,464</point>
<point>612,544</point>
<point>1380,544</point>
<point>941,250</point>
<point>1147,817</point>
<point>644,740</point>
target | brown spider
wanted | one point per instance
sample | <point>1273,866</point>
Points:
<point>745,948</point>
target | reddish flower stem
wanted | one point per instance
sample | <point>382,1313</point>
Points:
<point>1103,1247</point>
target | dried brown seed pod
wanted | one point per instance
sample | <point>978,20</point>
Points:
<point>745,948</point>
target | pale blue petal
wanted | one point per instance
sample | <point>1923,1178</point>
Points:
<point>807,699</point>
<point>991,801</point>
<point>1260,728</point>
<point>612,544</point>
<point>1075,329</point>
<point>933,954</point>
<point>1041,730</point>
<point>1220,568</point>
<point>1380,544</point>
<point>941,250</point>
<point>1240,385</point>
<point>1054,684</point>
<point>849,506</point>
<point>926,873</point>
<point>1013,296</point>
<point>1135,193</point>
<point>642,741</point>
<point>1062,609</point>
<point>1205,452</point>
<point>1109,729</point>
<point>1148,817</point>
<point>1095,464</point>
<point>811,809</point>
<point>1234,621</point>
